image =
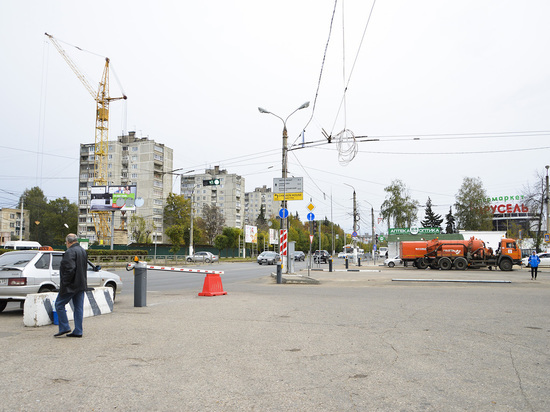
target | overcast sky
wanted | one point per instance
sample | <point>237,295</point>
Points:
<point>447,89</point>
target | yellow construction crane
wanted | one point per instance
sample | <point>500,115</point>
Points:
<point>102,99</point>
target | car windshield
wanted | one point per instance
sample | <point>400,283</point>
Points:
<point>18,259</point>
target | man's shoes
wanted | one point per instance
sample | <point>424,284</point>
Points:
<point>72,335</point>
<point>57,335</point>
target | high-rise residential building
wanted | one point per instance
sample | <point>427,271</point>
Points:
<point>131,161</point>
<point>10,225</point>
<point>228,196</point>
<point>261,197</point>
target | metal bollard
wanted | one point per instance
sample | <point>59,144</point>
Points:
<point>279,273</point>
<point>330,265</point>
<point>347,263</point>
<point>140,284</point>
<point>359,261</point>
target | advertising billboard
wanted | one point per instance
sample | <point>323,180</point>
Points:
<point>250,234</point>
<point>108,198</point>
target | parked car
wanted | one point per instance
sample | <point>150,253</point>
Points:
<point>37,271</point>
<point>299,256</point>
<point>392,262</point>
<point>321,256</point>
<point>205,257</point>
<point>268,258</point>
<point>544,260</point>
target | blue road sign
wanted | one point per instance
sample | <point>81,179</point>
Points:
<point>354,234</point>
<point>283,213</point>
<point>310,216</point>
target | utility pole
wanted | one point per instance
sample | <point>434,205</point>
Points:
<point>355,218</point>
<point>547,203</point>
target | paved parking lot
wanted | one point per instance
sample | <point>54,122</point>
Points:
<point>358,341</point>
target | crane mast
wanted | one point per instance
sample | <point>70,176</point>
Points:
<point>101,150</point>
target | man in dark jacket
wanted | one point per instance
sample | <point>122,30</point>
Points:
<point>73,284</point>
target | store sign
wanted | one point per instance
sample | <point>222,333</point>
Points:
<point>415,231</point>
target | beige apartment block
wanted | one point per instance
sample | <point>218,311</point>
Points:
<point>261,197</point>
<point>228,196</point>
<point>10,225</point>
<point>136,161</point>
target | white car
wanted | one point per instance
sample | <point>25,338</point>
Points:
<point>37,271</point>
<point>391,262</point>
<point>544,260</point>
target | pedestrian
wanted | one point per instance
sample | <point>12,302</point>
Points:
<point>534,261</point>
<point>73,284</point>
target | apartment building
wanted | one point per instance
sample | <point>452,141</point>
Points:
<point>10,225</point>
<point>261,197</point>
<point>132,160</point>
<point>228,195</point>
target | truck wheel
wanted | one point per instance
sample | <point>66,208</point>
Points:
<point>421,263</point>
<point>505,265</point>
<point>445,263</point>
<point>461,263</point>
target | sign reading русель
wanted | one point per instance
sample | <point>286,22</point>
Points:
<point>414,231</point>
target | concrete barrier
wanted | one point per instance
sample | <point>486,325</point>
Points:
<point>39,308</point>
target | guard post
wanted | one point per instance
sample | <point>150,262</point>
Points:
<point>140,284</point>
<point>330,265</point>
<point>279,273</point>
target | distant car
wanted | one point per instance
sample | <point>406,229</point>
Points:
<point>321,256</point>
<point>544,260</point>
<point>392,262</point>
<point>205,257</point>
<point>268,258</point>
<point>37,271</point>
<point>342,255</point>
<point>299,256</point>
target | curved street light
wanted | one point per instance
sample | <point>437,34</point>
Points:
<point>284,221</point>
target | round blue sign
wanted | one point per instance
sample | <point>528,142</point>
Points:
<point>283,213</point>
<point>310,216</point>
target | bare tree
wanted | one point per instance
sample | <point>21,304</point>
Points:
<point>214,222</point>
<point>535,198</point>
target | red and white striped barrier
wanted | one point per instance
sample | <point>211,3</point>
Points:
<point>171,269</point>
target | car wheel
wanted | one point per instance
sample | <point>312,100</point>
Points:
<point>207,260</point>
<point>189,259</point>
<point>46,289</point>
<point>260,263</point>
<point>391,264</point>
<point>113,287</point>
<point>3,304</point>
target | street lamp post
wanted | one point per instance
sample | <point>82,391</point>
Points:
<point>547,202</point>
<point>372,218</point>
<point>354,224</point>
<point>284,221</point>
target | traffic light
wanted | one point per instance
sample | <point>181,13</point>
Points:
<point>211,182</point>
<point>376,238</point>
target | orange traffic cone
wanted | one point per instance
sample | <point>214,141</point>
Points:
<point>212,285</point>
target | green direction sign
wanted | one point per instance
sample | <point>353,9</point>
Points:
<point>414,231</point>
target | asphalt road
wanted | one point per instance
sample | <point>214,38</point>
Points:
<point>359,341</point>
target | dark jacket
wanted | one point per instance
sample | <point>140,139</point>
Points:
<point>73,270</point>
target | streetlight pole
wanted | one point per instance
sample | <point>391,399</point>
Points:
<point>354,238</point>
<point>547,202</point>
<point>372,218</point>
<point>284,221</point>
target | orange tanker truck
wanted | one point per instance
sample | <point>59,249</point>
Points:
<point>460,254</point>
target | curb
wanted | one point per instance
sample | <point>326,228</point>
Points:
<point>297,279</point>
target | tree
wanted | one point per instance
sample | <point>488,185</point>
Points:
<point>261,221</point>
<point>450,222</point>
<point>535,198</point>
<point>473,211</point>
<point>35,202</point>
<point>399,206</point>
<point>140,229</point>
<point>214,221</point>
<point>177,219</point>
<point>430,218</point>
<point>57,214</point>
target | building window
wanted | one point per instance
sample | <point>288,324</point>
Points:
<point>134,175</point>
<point>135,148</point>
